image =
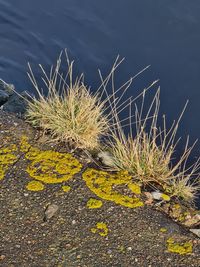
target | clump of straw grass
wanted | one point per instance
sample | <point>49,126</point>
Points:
<point>69,112</point>
<point>148,152</point>
<point>185,187</point>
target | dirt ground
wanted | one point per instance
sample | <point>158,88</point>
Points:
<point>76,236</point>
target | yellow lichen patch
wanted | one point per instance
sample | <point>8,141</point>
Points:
<point>3,169</point>
<point>51,167</point>
<point>165,197</point>
<point>66,188</point>
<point>101,229</point>
<point>94,203</point>
<point>135,188</point>
<point>35,186</point>
<point>180,248</point>
<point>101,183</point>
<point>176,206</point>
<point>163,230</point>
<point>6,158</point>
<point>2,172</point>
<point>24,145</point>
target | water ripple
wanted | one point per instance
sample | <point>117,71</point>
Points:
<point>11,17</point>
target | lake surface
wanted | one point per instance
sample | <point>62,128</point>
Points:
<point>163,34</point>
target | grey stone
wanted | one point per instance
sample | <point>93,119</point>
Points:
<point>17,103</point>
<point>7,87</point>
<point>196,232</point>
<point>106,158</point>
<point>50,211</point>
<point>3,97</point>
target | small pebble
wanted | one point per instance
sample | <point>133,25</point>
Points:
<point>50,211</point>
<point>195,231</point>
<point>2,257</point>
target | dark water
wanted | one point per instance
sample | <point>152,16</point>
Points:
<point>164,34</point>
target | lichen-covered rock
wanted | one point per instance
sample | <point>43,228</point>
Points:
<point>7,158</point>
<point>112,235</point>
<point>101,229</point>
<point>179,248</point>
<point>106,185</point>
<point>94,203</point>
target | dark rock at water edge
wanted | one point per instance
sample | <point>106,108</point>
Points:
<point>8,88</point>
<point>3,97</point>
<point>11,101</point>
<point>17,103</point>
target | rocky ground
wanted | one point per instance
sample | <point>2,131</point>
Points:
<point>56,227</point>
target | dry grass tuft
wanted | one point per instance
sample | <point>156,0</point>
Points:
<point>69,112</point>
<point>186,184</point>
<point>185,188</point>
<point>148,153</point>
